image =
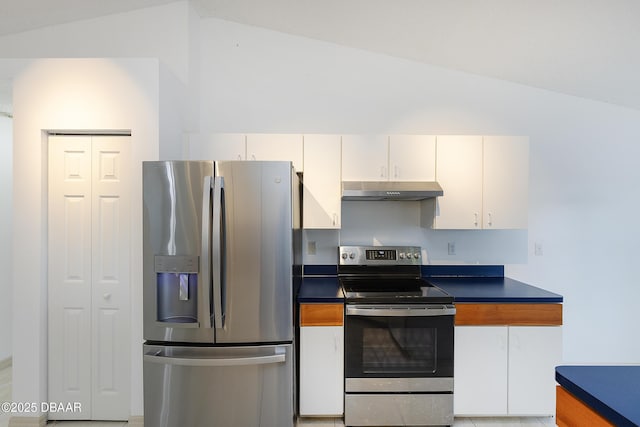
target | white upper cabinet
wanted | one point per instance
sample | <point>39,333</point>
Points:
<point>505,189</point>
<point>412,158</point>
<point>238,146</point>
<point>485,182</point>
<point>459,173</point>
<point>263,146</point>
<point>388,158</point>
<point>321,182</point>
<point>218,146</point>
<point>365,157</point>
<point>484,179</point>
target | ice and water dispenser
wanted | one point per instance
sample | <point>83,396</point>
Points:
<point>177,288</point>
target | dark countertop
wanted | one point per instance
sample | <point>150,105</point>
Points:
<point>320,289</point>
<point>612,391</point>
<point>493,289</point>
<point>467,283</point>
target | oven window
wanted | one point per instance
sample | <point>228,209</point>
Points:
<point>398,350</point>
<point>398,347</point>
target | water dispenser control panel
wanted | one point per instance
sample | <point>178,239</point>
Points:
<point>176,264</point>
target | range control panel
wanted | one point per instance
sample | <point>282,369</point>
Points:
<point>380,255</point>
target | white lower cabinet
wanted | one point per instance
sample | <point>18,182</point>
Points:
<point>534,353</point>
<point>480,370</point>
<point>506,370</point>
<point>321,371</point>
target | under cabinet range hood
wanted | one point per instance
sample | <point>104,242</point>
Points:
<point>390,190</point>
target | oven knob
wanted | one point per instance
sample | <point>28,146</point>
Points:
<point>352,255</point>
<point>401,255</point>
<point>416,255</point>
<point>344,255</point>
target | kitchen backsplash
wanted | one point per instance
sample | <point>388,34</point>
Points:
<point>398,223</point>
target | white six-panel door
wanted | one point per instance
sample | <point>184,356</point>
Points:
<point>89,315</point>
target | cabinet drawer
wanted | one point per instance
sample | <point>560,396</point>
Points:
<point>321,314</point>
<point>487,314</point>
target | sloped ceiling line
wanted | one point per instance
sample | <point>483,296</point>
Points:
<point>586,49</point>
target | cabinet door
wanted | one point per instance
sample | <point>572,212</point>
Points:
<point>480,380</point>
<point>365,157</point>
<point>534,352</point>
<point>412,158</point>
<point>322,182</point>
<point>459,172</point>
<point>276,147</point>
<point>506,182</point>
<point>321,370</point>
<point>217,146</point>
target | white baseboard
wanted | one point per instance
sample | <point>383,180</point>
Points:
<point>136,421</point>
<point>40,421</point>
<point>5,363</point>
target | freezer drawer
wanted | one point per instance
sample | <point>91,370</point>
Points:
<point>218,386</point>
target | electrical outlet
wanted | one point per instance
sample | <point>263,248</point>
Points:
<point>451,248</point>
<point>537,249</point>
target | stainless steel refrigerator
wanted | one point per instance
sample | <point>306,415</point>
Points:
<point>221,254</point>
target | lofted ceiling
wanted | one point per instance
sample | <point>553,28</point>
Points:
<point>584,48</point>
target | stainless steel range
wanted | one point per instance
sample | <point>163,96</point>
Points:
<point>398,340</point>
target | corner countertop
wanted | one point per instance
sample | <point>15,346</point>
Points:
<point>611,391</point>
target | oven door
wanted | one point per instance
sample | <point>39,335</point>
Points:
<point>399,341</point>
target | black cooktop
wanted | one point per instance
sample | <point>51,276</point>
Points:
<point>392,290</point>
<point>387,275</point>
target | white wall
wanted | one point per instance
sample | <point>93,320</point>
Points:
<point>156,32</point>
<point>72,94</point>
<point>582,176</point>
<point>6,178</point>
<point>6,288</point>
<point>162,32</point>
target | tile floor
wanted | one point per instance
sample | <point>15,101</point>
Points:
<point>458,422</point>
<point>5,396</point>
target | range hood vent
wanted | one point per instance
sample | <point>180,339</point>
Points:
<point>390,190</point>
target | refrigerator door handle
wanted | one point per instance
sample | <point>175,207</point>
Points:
<point>216,255</point>
<point>227,361</point>
<point>204,287</point>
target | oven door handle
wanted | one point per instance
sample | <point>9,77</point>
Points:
<point>400,311</point>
